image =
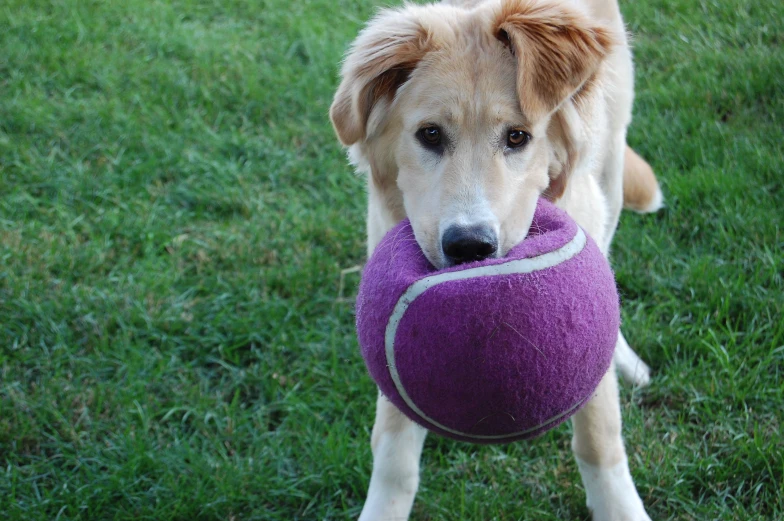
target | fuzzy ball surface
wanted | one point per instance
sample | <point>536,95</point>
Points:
<point>496,350</point>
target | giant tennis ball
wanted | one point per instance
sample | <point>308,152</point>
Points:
<point>495,350</point>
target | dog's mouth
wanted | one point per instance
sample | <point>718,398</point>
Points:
<point>463,247</point>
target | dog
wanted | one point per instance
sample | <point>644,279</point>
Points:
<point>462,114</point>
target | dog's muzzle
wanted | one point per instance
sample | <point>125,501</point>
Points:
<point>462,244</point>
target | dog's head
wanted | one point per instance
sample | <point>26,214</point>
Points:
<point>464,117</point>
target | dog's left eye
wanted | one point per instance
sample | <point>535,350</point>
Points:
<point>517,138</point>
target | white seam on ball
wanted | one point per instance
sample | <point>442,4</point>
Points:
<point>540,262</point>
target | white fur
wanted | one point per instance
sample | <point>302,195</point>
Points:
<point>657,203</point>
<point>476,178</point>
<point>629,365</point>
<point>610,492</point>
<point>397,446</point>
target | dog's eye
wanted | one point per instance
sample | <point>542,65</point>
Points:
<point>517,138</point>
<point>430,136</point>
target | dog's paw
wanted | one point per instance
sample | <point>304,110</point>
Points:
<point>629,365</point>
<point>610,493</point>
<point>635,372</point>
<point>386,509</point>
<point>621,513</point>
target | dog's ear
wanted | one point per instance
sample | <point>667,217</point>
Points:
<point>557,48</point>
<point>380,60</point>
<point>563,133</point>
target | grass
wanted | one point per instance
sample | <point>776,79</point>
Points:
<point>175,214</point>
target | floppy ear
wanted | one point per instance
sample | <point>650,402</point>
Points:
<point>563,134</point>
<point>379,61</point>
<point>558,49</point>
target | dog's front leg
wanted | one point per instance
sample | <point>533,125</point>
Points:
<point>396,441</point>
<point>601,457</point>
<point>397,446</point>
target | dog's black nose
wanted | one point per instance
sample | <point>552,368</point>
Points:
<point>468,243</point>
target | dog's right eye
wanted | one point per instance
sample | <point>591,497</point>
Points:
<point>429,136</point>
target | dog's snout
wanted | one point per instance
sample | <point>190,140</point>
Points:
<point>468,243</point>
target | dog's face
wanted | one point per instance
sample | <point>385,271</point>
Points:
<point>470,163</point>
<point>460,113</point>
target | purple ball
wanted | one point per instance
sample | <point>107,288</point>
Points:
<point>496,350</point>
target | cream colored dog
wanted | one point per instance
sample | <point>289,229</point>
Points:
<point>463,114</point>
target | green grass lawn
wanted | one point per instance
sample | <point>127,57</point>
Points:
<point>175,213</point>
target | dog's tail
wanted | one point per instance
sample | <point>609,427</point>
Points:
<point>641,191</point>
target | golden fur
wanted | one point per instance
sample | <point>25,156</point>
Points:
<point>559,71</point>
<point>641,191</point>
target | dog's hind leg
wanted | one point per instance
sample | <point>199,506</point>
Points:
<point>624,168</point>
<point>598,447</point>
<point>397,446</point>
<point>630,366</point>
